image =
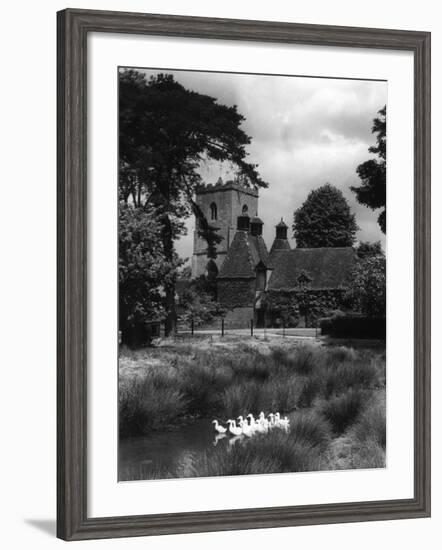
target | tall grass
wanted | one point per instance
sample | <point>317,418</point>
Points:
<point>343,410</point>
<point>371,425</point>
<point>184,382</point>
<point>276,452</point>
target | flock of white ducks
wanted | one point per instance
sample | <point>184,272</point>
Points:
<point>249,426</point>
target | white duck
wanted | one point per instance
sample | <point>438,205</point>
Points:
<point>253,425</point>
<point>246,430</point>
<point>218,428</point>
<point>277,419</point>
<point>284,423</point>
<point>233,428</point>
<point>263,421</point>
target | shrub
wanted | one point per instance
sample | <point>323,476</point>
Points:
<point>343,410</point>
<point>354,326</point>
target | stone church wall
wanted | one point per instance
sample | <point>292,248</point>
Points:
<point>234,293</point>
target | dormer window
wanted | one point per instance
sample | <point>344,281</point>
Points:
<point>213,211</point>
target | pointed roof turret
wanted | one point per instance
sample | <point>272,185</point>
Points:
<point>280,243</point>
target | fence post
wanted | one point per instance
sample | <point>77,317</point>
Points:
<point>222,327</point>
<point>251,327</point>
<point>192,326</point>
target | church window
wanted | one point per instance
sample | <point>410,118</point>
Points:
<point>213,211</point>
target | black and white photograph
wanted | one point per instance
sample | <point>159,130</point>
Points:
<point>252,226</point>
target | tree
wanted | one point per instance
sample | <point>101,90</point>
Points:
<point>372,172</point>
<point>367,249</point>
<point>324,220</point>
<point>367,290</point>
<point>142,270</point>
<point>166,131</point>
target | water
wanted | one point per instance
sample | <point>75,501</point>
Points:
<point>161,454</point>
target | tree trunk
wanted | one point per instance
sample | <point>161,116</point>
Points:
<point>169,286</point>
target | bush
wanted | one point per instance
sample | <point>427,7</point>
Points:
<point>342,411</point>
<point>354,326</point>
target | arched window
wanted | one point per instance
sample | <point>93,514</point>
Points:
<point>213,211</point>
<point>245,209</point>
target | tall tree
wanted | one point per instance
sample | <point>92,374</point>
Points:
<point>324,219</point>
<point>367,289</point>
<point>166,131</point>
<point>372,172</point>
<point>367,249</point>
<point>142,270</point>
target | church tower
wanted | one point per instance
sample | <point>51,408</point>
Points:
<point>222,204</point>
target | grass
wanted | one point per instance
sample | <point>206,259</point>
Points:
<point>276,452</point>
<point>334,396</point>
<point>341,411</point>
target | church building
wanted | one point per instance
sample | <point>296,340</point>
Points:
<point>283,287</point>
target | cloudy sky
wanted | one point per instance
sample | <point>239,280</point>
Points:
<point>305,132</point>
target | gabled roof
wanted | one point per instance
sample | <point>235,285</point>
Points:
<point>324,267</point>
<point>244,254</point>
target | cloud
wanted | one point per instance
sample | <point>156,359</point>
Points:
<point>305,132</point>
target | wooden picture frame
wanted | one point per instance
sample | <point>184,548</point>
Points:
<point>73,28</point>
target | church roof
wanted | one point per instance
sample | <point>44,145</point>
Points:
<point>322,267</point>
<point>278,246</point>
<point>244,254</point>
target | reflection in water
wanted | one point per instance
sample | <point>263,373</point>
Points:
<point>155,455</point>
<point>161,455</point>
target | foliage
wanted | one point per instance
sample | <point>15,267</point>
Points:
<point>165,132</point>
<point>324,219</point>
<point>142,270</point>
<point>367,249</point>
<point>367,290</point>
<point>372,172</point>
<point>312,304</point>
<point>197,302</point>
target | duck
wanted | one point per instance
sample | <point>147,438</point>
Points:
<point>252,422</point>
<point>284,423</point>
<point>218,428</point>
<point>277,419</point>
<point>233,428</point>
<point>246,429</point>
